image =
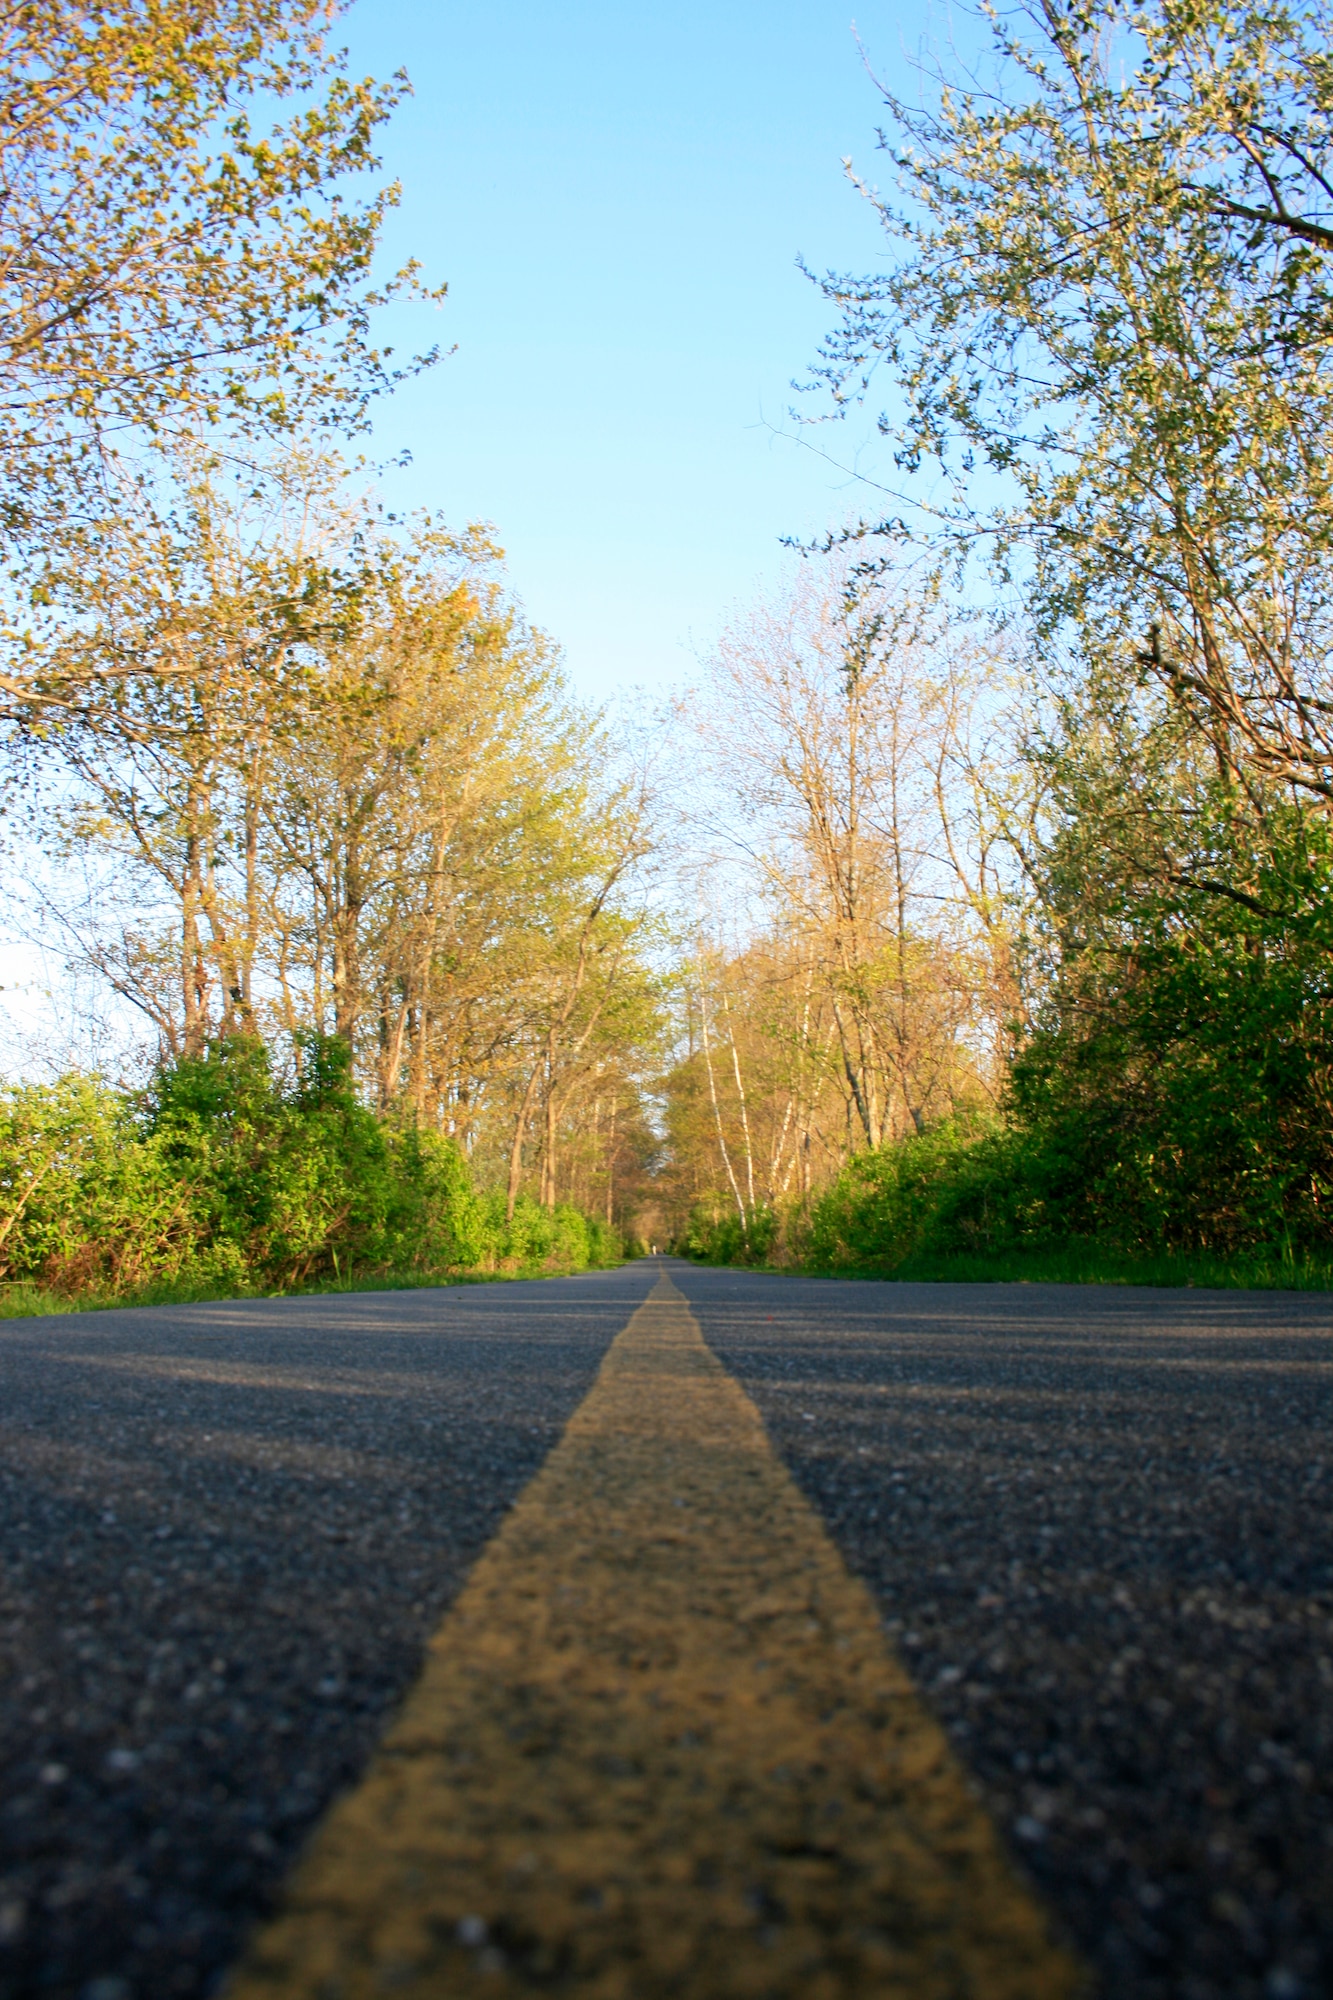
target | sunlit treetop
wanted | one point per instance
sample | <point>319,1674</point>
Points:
<point>186,235</point>
<point>1107,318</point>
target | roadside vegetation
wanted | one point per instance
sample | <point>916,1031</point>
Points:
<point>219,1180</point>
<point>372,880</point>
<point>1041,983</point>
<point>304,792</point>
<point>986,932</point>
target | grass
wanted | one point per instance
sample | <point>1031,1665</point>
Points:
<point>1093,1264</point>
<point>1057,1264</point>
<point>25,1300</point>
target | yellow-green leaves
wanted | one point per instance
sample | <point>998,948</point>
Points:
<point>167,270</point>
<point>1111,294</point>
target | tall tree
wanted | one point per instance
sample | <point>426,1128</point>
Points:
<point>1108,315</point>
<point>836,730</point>
<point>336,784</point>
<point>172,265</point>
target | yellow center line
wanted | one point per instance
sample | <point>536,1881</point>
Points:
<point>660,1747</point>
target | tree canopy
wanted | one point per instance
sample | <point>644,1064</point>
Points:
<point>1107,318</point>
<point>186,246</point>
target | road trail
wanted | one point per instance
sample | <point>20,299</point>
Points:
<point>1094,1524</point>
<point>661,1748</point>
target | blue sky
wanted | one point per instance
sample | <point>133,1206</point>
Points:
<point>617,199</point>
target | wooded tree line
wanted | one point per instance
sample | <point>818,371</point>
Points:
<point>324,787</point>
<point>326,780</point>
<point>1001,835</point>
<point>1100,339</point>
<point>862,757</point>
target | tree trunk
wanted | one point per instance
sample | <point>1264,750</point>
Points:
<point>516,1150</point>
<point>548,1156</point>
<point>717,1115</point>
<point>610,1161</point>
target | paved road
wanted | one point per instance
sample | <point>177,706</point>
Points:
<point>227,1531</point>
<point>661,1747</point>
<point>1097,1523</point>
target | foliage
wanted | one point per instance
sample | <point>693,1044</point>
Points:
<point>224,1175</point>
<point>329,779</point>
<point>1109,315</point>
<point>859,743</point>
<point>1108,323</point>
<point>1015,976</point>
<point>1181,1063</point>
<point>1175,1094</point>
<point>1172,1096</point>
<point>840,726</point>
<point>946,1189</point>
<point>713,1235</point>
<point>174,265</point>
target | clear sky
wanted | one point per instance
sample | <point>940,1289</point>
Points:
<point>617,198</point>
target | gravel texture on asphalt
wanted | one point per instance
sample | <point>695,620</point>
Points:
<point>1098,1523</point>
<point>660,1750</point>
<point>225,1533</point>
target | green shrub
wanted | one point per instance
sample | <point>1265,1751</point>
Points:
<point>222,1177</point>
<point>719,1237</point>
<point>949,1188</point>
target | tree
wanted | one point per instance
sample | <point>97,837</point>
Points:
<point>1109,319</point>
<point>583,955</point>
<point>757,1086</point>
<point>329,782</point>
<point>169,269</point>
<point>197,632</point>
<point>1176,1082</point>
<point>837,729</point>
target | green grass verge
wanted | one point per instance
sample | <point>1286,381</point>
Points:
<point>28,1301</point>
<point>1091,1264</point>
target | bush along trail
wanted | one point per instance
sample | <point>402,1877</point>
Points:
<point>223,1178</point>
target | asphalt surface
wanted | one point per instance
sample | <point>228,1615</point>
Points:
<point>660,1750</point>
<point>225,1533</point>
<point>1097,1523</point>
